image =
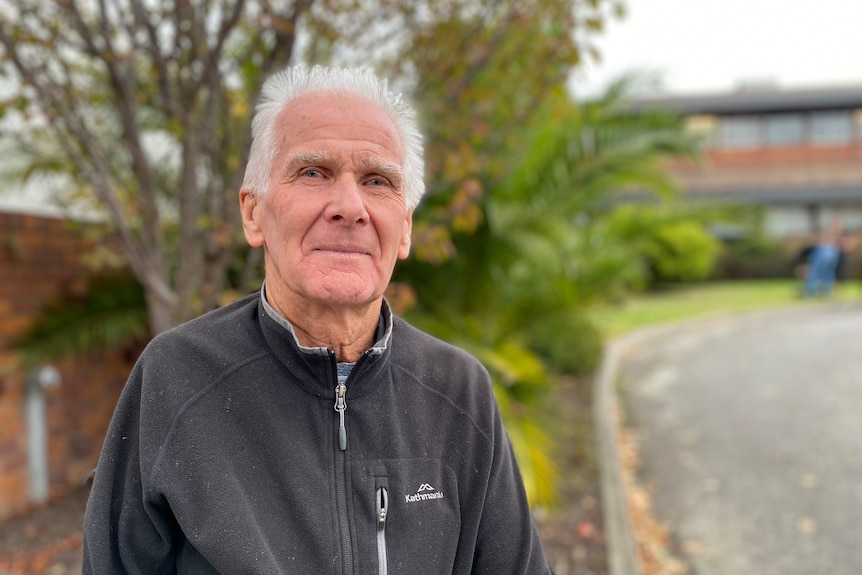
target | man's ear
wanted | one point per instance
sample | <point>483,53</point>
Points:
<point>404,245</point>
<point>248,202</point>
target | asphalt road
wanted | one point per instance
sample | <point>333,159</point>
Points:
<point>750,434</point>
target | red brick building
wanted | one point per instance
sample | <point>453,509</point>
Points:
<point>40,260</point>
<point>797,153</point>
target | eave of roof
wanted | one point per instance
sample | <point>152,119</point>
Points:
<point>750,101</point>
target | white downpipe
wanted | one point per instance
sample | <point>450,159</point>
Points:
<point>39,380</point>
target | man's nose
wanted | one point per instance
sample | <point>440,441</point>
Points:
<point>347,204</point>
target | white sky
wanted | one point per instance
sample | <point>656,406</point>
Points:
<point>699,46</point>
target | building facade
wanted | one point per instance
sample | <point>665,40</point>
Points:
<point>797,153</point>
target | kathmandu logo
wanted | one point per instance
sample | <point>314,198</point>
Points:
<point>424,493</point>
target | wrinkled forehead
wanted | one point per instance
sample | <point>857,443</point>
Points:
<point>341,114</point>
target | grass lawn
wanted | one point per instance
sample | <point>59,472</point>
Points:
<point>703,300</point>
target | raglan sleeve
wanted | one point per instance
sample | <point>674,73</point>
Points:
<point>127,529</point>
<point>508,540</point>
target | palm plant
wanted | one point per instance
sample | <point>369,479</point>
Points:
<point>517,290</point>
<point>111,314</point>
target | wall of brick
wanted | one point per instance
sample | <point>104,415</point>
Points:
<point>40,260</point>
<point>786,155</point>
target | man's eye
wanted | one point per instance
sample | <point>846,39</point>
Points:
<point>311,173</point>
<point>377,181</point>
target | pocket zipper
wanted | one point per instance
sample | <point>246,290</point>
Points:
<point>382,510</point>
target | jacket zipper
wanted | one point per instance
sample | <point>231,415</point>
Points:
<point>341,463</point>
<point>382,511</point>
<point>340,407</point>
<point>340,473</point>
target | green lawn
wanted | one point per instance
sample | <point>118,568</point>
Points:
<point>703,300</point>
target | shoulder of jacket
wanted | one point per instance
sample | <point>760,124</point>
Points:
<point>443,369</point>
<point>230,325</point>
<point>409,340</point>
<point>180,361</point>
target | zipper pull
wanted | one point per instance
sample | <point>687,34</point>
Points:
<point>340,406</point>
<point>382,512</point>
<point>382,506</point>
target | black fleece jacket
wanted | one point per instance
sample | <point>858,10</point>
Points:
<point>224,456</point>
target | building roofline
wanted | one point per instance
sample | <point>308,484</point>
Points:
<point>758,100</point>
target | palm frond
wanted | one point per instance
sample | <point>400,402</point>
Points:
<point>112,314</point>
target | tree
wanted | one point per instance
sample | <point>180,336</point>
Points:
<point>143,106</point>
<point>146,104</point>
<point>478,84</point>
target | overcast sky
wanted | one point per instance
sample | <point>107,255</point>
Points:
<point>713,45</point>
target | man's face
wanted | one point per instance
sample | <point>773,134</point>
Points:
<point>333,221</point>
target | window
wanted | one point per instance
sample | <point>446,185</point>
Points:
<point>705,128</point>
<point>740,132</point>
<point>831,127</point>
<point>784,129</point>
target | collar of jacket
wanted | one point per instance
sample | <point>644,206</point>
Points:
<point>314,368</point>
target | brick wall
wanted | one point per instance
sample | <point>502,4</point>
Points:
<point>771,168</point>
<point>40,259</point>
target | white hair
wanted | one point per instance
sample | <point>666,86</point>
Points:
<point>282,88</point>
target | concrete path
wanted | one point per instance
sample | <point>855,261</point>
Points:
<point>751,435</point>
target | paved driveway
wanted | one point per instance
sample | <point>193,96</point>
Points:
<point>751,435</point>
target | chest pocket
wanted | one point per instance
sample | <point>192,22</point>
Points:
<point>422,518</point>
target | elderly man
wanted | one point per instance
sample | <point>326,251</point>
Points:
<point>306,429</point>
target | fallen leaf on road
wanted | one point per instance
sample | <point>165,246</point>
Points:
<point>809,481</point>
<point>691,547</point>
<point>586,530</point>
<point>806,525</point>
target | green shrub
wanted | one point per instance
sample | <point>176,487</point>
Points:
<point>681,251</point>
<point>671,242</point>
<point>754,258</point>
<point>569,342</point>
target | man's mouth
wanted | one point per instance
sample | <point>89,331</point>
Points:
<point>342,250</point>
